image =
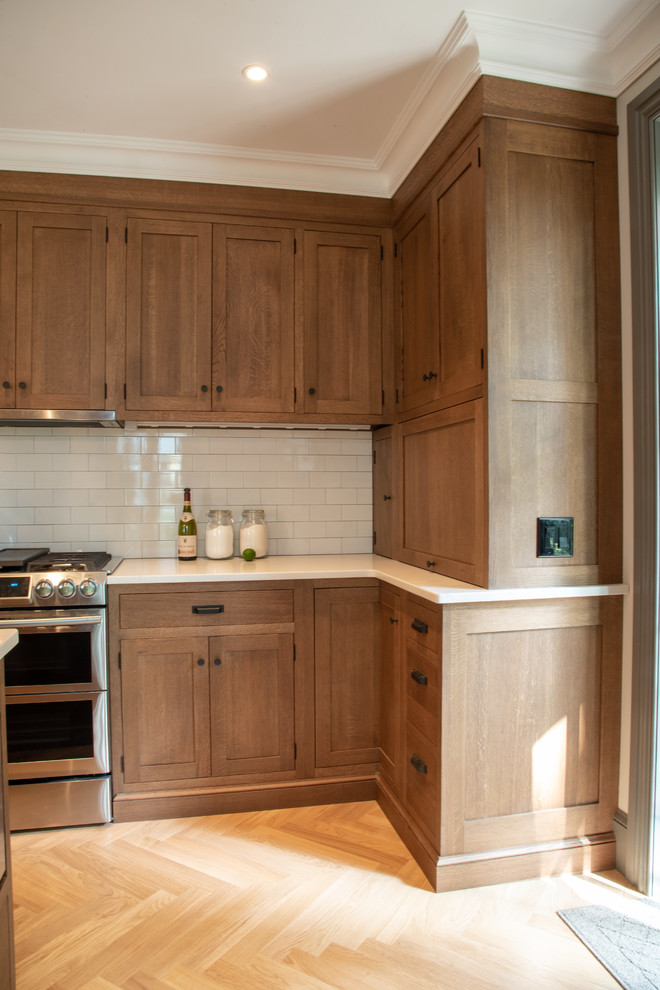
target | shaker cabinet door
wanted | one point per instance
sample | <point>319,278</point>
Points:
<point>253,319</point>
<point>168,315</point>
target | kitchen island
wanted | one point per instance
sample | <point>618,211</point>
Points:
<point>485,722</point>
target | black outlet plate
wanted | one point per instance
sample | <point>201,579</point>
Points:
<point>554,536</point>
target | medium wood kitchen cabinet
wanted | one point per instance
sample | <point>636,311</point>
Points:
<point>510,729</point>
<point>227,703</point>
<point>340,310</point>
<point>442,273</point>
<point>53,336</point>
<point>507,230</point>
<point>168,316</point>
<point>347,674</point>
<point>7,968</point>
<point>253,319</point>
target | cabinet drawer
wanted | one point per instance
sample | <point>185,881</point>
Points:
<point>422,693</point>
<point>422,784</point>
<point>205,608</point>
<point>424,626</point>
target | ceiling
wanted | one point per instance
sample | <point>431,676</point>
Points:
<point>357,88</point>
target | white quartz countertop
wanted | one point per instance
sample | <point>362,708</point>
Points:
<point>433,587</point>
<point>8,640</point>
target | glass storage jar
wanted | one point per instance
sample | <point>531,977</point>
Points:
<point>220,534</point>
<point>253,532</point>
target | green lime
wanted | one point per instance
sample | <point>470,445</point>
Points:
<point>249,554</point>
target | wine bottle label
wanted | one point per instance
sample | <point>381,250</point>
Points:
<point>186,516</point>
<point>187,546</point>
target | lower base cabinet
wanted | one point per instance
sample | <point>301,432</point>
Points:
<point>489,733</point>
<point>511,729</point>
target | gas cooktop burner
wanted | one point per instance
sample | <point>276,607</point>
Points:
<point>70,561</point>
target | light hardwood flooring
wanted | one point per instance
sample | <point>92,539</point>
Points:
<point>303,899</point>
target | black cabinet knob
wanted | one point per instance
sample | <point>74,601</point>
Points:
<point>205,388</point>
<point>312,391</point>
<point>218,388</point>
<point>200,662</point>
<point>22,385</point>
<point>217,661</point>
<point>6,384</point>
<point>418,764</point>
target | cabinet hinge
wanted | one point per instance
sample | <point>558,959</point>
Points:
<point>119,660</point>
<point>396,394</point>
<point>125,235</point>
<point>295,246</point>
<point>295,751</point>
<point>105,390</point>
<point>295,395</point>
<point>482,357</point>
<point>396,250</point>
<point>382,397</point>
<point>122,764</point>
<point>107,234</point>
<point>478,157</point>
<point>374,456</point>
<point>382,252</point>
<point>124,391</point>
<point>294,652</point>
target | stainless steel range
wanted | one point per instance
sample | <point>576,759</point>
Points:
<point>56,679</point>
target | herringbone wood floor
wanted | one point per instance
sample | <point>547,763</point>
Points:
<point>306,899</point>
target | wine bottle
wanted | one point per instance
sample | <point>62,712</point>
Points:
<point>187,538</point>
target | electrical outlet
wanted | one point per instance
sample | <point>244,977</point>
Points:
<point>554,537</point>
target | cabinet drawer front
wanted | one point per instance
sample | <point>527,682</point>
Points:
<point>422,693</point>
<point>205,608</point>
<point>421,782</point>
<point>424,626</point>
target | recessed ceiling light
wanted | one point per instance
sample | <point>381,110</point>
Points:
<point>256,73</point>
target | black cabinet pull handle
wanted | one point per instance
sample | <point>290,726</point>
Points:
<point>419,626</point>
<point>217,661</point>
<point>387,498</point>
<point>393,620</point>
<point>430,563</point>
<point>200,662</point>
<point>418,764</point>
<point>208,609</point>
<point>418,676</point>
<point>312,391</point>
<point>430,376</point>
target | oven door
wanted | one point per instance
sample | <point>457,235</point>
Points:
<point>57,735</point>
<point>58,650</point>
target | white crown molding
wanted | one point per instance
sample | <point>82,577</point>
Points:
<point>477,44</point>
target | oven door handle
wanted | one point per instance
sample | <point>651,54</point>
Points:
<point>74,620</point>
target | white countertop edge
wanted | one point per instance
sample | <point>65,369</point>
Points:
<point>434,588</point>
<point>8,640</point>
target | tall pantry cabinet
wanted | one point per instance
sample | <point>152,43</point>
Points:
<point>508,314</point>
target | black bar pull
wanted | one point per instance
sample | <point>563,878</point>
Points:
<point>419,626</point>
<point>208,609</point>
<point>418,676</point>
<point>418,764</point>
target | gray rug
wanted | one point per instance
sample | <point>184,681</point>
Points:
<point>626,946</point>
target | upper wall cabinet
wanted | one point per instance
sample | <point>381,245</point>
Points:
<point>247,321</point>
<point>168,316</point>
<point>442,271</point>
<point>253,319</point>
<point>341,314</point>
<point>53,302</point>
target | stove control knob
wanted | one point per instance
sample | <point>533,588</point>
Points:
<point>66,588</point>
<point>88,588</point>
<point>44,589</point>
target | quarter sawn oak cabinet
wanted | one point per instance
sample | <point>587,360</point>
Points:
<point>52,310</point>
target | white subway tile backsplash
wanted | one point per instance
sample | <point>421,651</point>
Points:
<point>81,489</point>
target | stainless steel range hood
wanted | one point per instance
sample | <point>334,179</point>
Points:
<point>60,417</point>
